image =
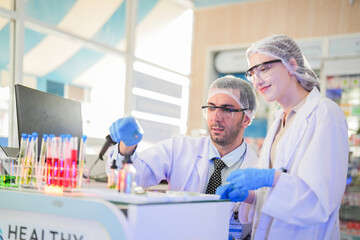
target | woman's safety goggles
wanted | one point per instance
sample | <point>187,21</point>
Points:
<point>260,71</point>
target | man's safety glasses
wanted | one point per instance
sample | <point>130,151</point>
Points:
<point>260,71</point>
<point>223,112</point>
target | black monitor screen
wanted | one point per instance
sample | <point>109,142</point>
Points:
<point>46,113</point>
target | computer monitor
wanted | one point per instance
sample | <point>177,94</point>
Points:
<point>46,113</point>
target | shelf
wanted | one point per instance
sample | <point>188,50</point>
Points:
<point>350,213</point>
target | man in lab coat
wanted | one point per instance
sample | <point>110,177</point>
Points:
<point>187,162</point>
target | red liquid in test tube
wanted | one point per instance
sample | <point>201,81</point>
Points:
<point>73,168</point>
<point>49,172</point>
<point>67,174</point>
<point>67,161</point>
<point>62,179</point>
<point>62,150</point>
<point>56,173</point>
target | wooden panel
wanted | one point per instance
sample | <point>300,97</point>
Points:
<point>245,23</point>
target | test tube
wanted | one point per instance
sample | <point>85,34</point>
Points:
<point>34,158</point>
<point>27,161</point>
<point>21,159</point>
<point>62,156</point>
<point>49,160</point>
<point>41,173</point>
<point>81,158</point>
<point>67,162</point>
<point>36,146</point>
<point>74,167</point>
<point>56,149</point>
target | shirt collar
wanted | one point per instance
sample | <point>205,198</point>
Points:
<point>299,105</point>
<point>231,158</point>
<point>295,109</point>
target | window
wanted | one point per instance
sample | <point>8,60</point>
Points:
<point>80,49</point>
<point>5,78</point>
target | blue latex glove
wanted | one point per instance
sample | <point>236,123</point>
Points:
<point>229,192</point>
<point>127,130</point>
<point>251,178</point>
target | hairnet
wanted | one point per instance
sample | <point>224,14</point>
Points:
<point>240,90</point>
<point>285,48</point>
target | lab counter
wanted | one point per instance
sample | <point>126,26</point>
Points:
<point>100,213</point>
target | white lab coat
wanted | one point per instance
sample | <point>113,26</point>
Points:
<point>183,161</point>
<point>305,202</point>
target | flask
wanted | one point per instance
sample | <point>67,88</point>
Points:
<point>126,176</point>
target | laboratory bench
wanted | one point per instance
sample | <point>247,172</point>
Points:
<point>99,213</point>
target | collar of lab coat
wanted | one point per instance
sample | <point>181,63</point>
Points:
<point>293,135</point>
<point>202,165</point>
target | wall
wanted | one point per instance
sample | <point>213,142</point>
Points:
<point>245,23</point>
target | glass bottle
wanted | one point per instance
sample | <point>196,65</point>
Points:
<point>126,177</point>
<point>113,176</point>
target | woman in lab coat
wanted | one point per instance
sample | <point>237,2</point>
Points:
<point>303,162</point>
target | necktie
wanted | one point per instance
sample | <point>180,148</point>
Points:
<point>215,179</point>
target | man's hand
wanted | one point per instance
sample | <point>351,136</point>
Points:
<point>229,192</point>
<point>127,130</point>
